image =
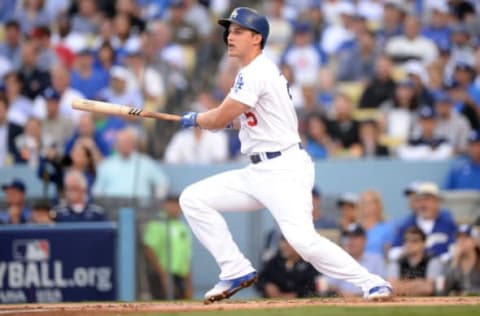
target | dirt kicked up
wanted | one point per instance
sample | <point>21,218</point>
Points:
<point>91,309</point>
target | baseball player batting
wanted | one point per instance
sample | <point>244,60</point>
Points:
<point>279,178</point>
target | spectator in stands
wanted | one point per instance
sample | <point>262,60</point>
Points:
<point>105,57</point>
<point>370,140</point>
<point>8,132</point>
<point>303,56</point>
<point>381,87</point>
<point>183,32</point>
<point>439,229</point>
<point>106,36</point>
<point>162,52</point>
<point>358,63</point>
<point>197,146</point>
<point>410,193</point>
<point>123,35</point>
<point>85,78</point>
<point>475,85</point>
<point>318,142</point>
<point>347,205</point>
<point>198,16</point>
<point>427,146</point>
<point>280,30</point>
<point>320,221</point>
<point>394,12</point>
<point>325,91</point>
<point>397,115</point>
<point>353,241</point>
<point>286,275</point>
<point>31,13</point>
<point>86,130</point>
<point>464,174</point>
<point>418,75</point>
<point>34,79</point>
<point>123,89</point>
<point>47,56</point>
<point>461,49</point>
<point>416,272</point>
<point>19,107</point>
<point>463,92</point>
<point>41,213</point>
<point>81,158</point>
<point>372,218</point>
<point>194,146</point>
<point>450,124</point>
<point>411,45</point>
<point>438,29</point>
<point>11,45</point>
<point>344,128</point>
<point>150,82</point>
<point>17,212</point>
<point>60,76</point>
<point>87,19</point>
<point>132,10</point>
<point>32,143</point>
<point>336,35</point>
<point>463,276</point>
<point>54,126</point>
<point>168,251</point>
<point>63,36</point>
<point>140,174</point>
<point>77,207</point>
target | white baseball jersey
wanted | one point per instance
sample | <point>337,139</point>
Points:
<point>282,185</point>
<point>271,124</point>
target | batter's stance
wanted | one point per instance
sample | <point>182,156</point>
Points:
<point>279,178</point>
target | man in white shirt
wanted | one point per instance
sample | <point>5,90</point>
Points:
<point>412,45</point>
<point>197,146</point>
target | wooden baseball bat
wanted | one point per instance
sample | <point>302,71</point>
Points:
<point>118,109</point>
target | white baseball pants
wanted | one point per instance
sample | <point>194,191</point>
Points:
<point>282,185</point>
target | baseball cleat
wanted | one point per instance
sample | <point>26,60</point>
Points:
<point>379,293</point>
<point>226,288</point>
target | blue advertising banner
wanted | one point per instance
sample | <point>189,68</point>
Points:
<point>58,263</point>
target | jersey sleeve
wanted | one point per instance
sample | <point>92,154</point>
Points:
<point>246,88</point>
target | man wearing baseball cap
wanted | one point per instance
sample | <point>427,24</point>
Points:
<point>428,145</point>
<point>439,228</point>
<point>16,212</point>
<point>347,204</point>
<point>465,173</point>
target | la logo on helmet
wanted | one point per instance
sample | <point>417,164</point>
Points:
<point>234,14</point>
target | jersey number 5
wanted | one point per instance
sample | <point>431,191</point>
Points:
<point>251,119</point>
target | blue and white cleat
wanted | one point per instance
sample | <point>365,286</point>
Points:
<point>379,293</point>
<point>226,288</point>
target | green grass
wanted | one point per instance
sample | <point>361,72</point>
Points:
<point>339,311</point>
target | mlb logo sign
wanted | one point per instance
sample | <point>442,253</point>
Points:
<point>31,250</point>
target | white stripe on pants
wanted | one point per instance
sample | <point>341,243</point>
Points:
<point>282,185</point>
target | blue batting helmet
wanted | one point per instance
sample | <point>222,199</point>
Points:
<point>248,18</point>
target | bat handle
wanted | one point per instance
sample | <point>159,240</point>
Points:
<point>161,116</point>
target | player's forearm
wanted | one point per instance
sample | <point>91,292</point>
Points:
<point>213,119</point>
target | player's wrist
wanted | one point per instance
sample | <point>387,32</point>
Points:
<point>189,119</point>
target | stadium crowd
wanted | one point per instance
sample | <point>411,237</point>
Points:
<point>368,78</point>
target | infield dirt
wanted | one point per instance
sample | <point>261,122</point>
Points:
<point>91,309</point>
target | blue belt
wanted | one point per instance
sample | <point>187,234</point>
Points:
<point>268,155</point>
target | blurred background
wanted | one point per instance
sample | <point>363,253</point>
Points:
<point>387,94</point>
